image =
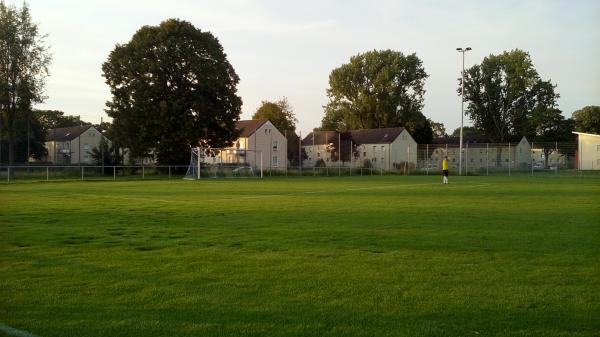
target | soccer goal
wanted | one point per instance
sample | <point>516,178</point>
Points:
<point>224,163</point>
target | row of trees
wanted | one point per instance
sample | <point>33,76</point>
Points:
<point>173,88</point>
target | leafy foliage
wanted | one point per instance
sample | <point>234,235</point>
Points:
<point>52,119</point>
<point>24,61</point>
<point>587,119</point>
<point>172,87</point>
<point>378,89</point>
<point>507,99</point>
<point>106,154</point>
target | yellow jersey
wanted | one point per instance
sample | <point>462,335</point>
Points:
<point>444,164</point>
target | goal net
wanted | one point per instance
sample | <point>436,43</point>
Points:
<point>213,162</point>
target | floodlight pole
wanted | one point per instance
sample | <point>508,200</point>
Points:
<point>462,106</point>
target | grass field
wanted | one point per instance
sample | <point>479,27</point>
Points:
<point>377,256</point>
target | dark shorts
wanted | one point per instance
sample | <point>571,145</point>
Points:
<point>445,172</point>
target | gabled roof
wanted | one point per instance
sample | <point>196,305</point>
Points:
<point>65,134</point>
<point>320,138</point>
<point>248,127</point>
<point>361,136</point>
<point>376,136</point>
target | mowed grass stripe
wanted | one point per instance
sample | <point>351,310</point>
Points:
<point>394,256</point>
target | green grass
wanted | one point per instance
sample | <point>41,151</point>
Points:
<point>359,256</point>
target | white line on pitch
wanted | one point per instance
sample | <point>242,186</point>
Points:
<point>15,332</point>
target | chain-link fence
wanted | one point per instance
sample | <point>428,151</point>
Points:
<point>523,158</point>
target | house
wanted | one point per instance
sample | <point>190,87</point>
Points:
<point>73,145</point>
<point>481,156</point>
<point>384,148</point>
<point>588,151</point>
<point>257,137</point>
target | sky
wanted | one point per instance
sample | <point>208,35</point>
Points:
<point>288,48</point>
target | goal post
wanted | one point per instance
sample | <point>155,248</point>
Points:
<point>207,162</point>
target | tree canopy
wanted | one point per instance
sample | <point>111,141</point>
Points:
<point>52,119</point>
<point>378,89</point>
<point>507,99</point>
<point>172,87</point>
<point>24,61</point>
<point>279,112</point>
<point>587,119</point>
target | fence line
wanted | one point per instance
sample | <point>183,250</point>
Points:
<point>536,158</point>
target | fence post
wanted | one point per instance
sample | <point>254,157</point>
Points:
<point>170,171</point>
<point>114,173</point>
<point>487,159</point>
<point>467,160</point>
<point>47,173</point>
<point>556,152</point>
<point>509,159</point>
<point>531,162</point>
<point>82,173</point>
<point>427,158</point>
<point>143,172</point>
<point>8,175</point>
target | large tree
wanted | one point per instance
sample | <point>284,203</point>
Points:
<point>504,94</point>
<point>24,61</point>
<point>172,87</point>
<point>378,89</point>
<point>587,119</point>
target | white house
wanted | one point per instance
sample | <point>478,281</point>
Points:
<point>259,137</point>
<point>72,145</point>
<point>477,156</point>
<point>385,148</point>
<point>588,151</point>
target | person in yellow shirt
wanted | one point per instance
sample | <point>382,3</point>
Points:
<point>445,170</point>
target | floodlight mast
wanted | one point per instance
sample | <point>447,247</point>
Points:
<point>462,106</point>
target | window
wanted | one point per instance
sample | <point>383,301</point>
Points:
<point>86,147</point>
<point>328,160</point>
<point>403,137</point>
<point>374,160</point>
<point>364,154</point>
<point>383,160</point>
<point>374,148</point>
<point>598,163</point>
<point>381,148</point>
<point>318,154</point>
<point>275,162</point>
<point>275,145</point>
<point>598,148</point>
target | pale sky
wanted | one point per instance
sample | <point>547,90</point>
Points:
<point>288,48</point>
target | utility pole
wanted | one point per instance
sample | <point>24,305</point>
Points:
<point>462,106</point>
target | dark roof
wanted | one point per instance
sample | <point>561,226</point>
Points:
<point>248,127</point>
<point>64,134</point>
<point>376,136</point>
<point>361,136</point>
<point>321,138</point>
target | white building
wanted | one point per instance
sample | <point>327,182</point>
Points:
<point>588,151</point>
<point>479,156</point>
<point>73,145</point>
<point>259,137</point>
<point>385,148</point>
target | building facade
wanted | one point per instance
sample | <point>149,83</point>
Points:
<point>259,144</point>
<point>385,148</point>
<point>588,151</point>
<point>483,156</point>
<point>73,145</point>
